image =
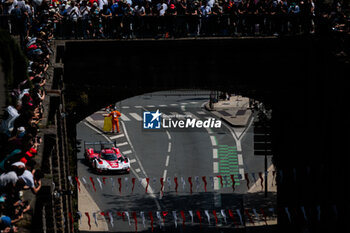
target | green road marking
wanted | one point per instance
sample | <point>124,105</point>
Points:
<point>228,164</point>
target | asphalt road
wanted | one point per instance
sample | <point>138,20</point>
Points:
<point>167,154</point>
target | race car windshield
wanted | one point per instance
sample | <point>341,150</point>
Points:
<point>109,156</point>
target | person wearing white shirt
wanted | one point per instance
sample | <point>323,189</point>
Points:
<point>101,3</point>
<point>12,114</point>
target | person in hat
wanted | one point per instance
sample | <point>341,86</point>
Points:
<point>115,119</point>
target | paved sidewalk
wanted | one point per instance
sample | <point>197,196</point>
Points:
<point>87,204</point>
<point>235,111</point>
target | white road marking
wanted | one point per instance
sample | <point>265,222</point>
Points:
<point>213,140</point>
<point>138,106</point>
<point>124,117</point>
<point>194,102</point>
<point>216,183</point>
<point>216,167</point>
<point>169,136</point>
<point>239,146</point>
<point>137,170</point>
<point>241,171</point>
<point>117,136</point>
<point>162,105</point>
<point>125,107</point>
<point>122,144</point>
<point>173,104</point>
<point>201,112</point>
<point>150,106</point>
<point>215,153</point>
<point>136,116</point>
<point>169,147</point>
<point>132,160</point>
<point>240,159</point>
<point>164,174</point>
<point>167,160</point>
<point>127,152</point>
<point>184,103</point>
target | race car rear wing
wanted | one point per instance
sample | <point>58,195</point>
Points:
<point>101,145</point>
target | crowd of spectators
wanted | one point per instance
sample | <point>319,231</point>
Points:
<point>86,19</point>
<point>19,140</point>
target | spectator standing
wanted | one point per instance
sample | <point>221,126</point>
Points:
<point>74,15</point>
<point>106,16</point>
<point>85,18</point>
<point>205,10</point>
<point>139,22</point>
<point>193,22</point>
<point>181,19</point>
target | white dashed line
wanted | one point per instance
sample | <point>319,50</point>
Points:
<point>136,116</point>
<point>169,147</point>
<point>213,140</point>
<point>164,174</point>
<point>137,170</point>
<point>138,106</point>
<point>132,160</point>
<point>240,159</point>
<point>201,112</point>
<point>125,106</point>
<point>117,136</point>
<point>169,136</point>
<point>150,106</point>
<point>173,104</point>
<point>122,144</point>
<point>162,105</point>
<point>241,171</point>
<point>215,153</point>
<point>216,183</point>
<point>167,160</point>
<point>216,167</point>
<point>184,103</point>
<point>127,152</point>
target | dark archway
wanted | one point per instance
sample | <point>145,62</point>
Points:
<point>299,79</point>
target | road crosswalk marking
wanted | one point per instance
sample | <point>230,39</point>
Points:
<point>122,144</point>
<point>124,117</point>
<point>136,116</point>
<point>117,136</point>
<point>127,152</point>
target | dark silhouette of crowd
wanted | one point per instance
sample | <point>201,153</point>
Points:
<point>86,19</point>
<point>19,140</point>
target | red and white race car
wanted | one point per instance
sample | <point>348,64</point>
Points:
<point>106,158</point>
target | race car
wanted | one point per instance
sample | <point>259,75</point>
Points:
<point>105,157</point>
